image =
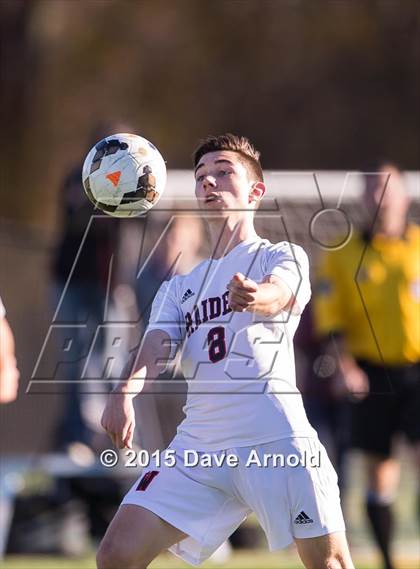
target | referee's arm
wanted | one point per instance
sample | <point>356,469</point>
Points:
<point>118,418</point>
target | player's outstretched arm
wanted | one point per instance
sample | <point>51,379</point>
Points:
<point>267,298</point>
<point>118,418</point>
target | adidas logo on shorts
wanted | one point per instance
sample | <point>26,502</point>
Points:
<point>303,518</point>
<point>187,294</point>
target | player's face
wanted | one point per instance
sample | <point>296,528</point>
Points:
<point>221,182</point>
<point>385,194</point>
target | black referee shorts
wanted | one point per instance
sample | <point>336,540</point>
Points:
<point>392,407</point>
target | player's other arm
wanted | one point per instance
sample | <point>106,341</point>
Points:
<point>285,287</point>
<point>118,418</point>
<point>9,373</point>
<point>267,298</point>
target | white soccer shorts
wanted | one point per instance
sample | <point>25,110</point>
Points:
<point>292,495</point>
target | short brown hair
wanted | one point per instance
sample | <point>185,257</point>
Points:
<point>249,156</point>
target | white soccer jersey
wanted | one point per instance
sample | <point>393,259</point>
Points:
<point>239,366</point>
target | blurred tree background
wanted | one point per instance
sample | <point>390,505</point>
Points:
<point>316,84</point>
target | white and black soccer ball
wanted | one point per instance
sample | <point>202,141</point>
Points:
<point>124,175</point>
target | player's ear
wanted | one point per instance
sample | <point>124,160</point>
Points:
<point>257,192</point>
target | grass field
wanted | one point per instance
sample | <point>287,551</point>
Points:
<point>241,560</point>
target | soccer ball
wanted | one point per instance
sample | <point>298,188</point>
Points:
<point>124,175</point>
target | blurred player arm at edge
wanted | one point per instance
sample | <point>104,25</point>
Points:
<point>118,418</point>
<point>9,373</point>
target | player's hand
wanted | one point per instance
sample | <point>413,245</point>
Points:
<point>243,293</point>
<point>356,382</point>
<point>118,419</point>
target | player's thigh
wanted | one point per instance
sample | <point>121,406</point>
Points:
<point>325,552</point>
<point>135,537</point>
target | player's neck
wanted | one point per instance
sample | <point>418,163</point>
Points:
<point>227,233</point>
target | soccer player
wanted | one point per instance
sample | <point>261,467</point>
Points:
<point>234,316</point>
<point>369,298</point>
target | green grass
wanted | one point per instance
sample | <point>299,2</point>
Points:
<point>244,559</point>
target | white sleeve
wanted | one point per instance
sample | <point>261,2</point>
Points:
<point>2,309</point>
<point>290,264</point>
<point>165,315</point>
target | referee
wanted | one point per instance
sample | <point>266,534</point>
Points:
<point>368,301</point>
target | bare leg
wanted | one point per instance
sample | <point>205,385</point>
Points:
<point>134,538</point>
<point>325,552</point>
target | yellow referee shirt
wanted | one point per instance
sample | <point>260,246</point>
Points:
<point>370,291</point>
